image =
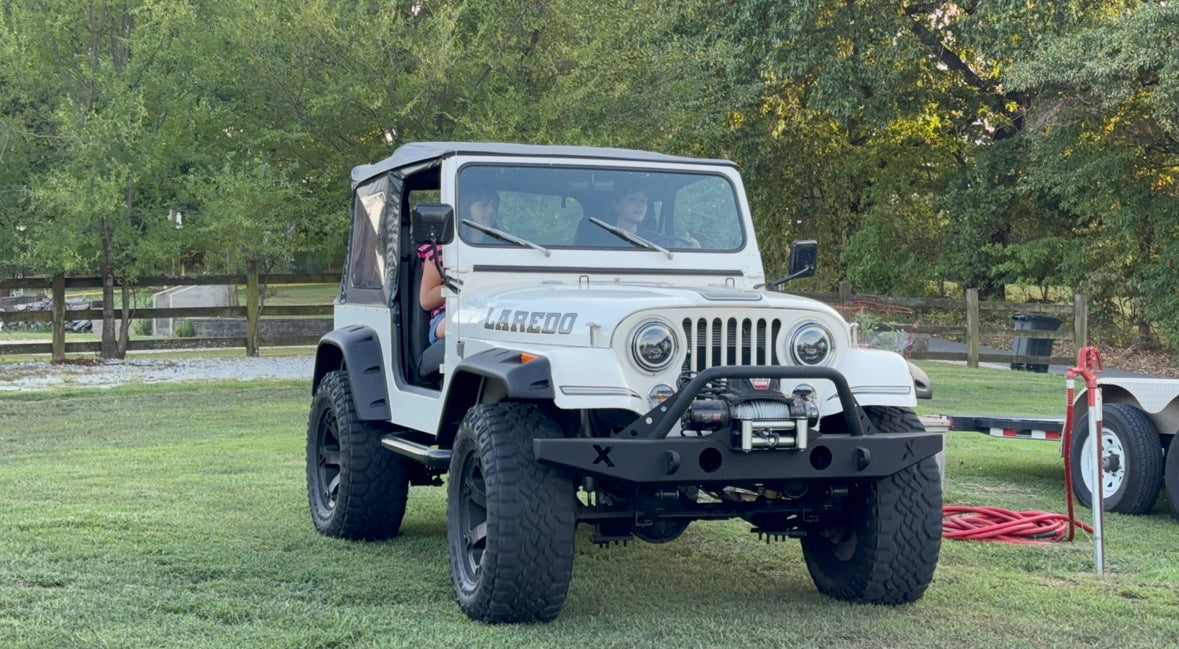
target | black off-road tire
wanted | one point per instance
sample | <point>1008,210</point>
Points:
<point>510,520</point>
<point>1134,460</point>
<point>884,547</point>
<point>356,488</point>
<point>1171,478</point>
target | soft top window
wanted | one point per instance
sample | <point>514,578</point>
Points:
<point>366,260</point>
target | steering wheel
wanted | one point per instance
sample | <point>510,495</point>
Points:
<point>673,241</point>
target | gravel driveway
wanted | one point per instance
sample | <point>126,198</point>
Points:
<point>30,377</point>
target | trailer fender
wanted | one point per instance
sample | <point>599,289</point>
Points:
<point>1158,398</point>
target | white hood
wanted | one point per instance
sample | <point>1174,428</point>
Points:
<point>570,315</point>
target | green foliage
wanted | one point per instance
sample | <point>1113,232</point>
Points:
<point>979,143</point>
<point>143,327</point>
<point>1104,143</point>
<point>103,118</point>
<point>254,213</point>
<point>890,253</point>
<point>246,117</point>
<point>183,329</point>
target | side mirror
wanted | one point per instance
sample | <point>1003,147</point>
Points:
<point>804,258</point>
<point>921,383</point>
<point>432,224</point>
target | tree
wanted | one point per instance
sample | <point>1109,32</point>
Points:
<point>95,68</point>
<point>313,88</point>
<point>1103,141</point>
<point>876,113</point>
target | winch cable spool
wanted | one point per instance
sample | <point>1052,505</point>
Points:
<point>1034,528</point>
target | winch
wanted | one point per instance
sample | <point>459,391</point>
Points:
<point>758,414</point>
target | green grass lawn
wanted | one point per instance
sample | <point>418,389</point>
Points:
<point>176,516</point>
<point>960,391</point>
<point>287,294</point>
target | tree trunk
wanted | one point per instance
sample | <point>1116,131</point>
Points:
<point>125,321</point>
<point>59,311</point>
<point>109,348</point>
<point>253,308</point>
<point>125,315</point>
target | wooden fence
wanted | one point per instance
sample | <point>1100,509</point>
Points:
<point>252,312</point>
<point>972,329</point>
<point>968,313</point>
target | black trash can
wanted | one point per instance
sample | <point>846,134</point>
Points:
<point>1033,346</point>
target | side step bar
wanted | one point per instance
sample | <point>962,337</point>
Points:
<point>434,458</point>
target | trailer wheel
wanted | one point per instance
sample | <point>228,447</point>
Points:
<point>1171,478</point>
<point>510,520</point>
<point>883,548</point>
<point>1131,456</point>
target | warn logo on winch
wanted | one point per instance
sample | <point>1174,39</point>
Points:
<point>532,322</point>
<point>761,384</point>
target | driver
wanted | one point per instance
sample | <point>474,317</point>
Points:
<point>479,205</point>
<point>628,208</point>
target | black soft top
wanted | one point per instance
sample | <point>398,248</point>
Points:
<point>424,152</point>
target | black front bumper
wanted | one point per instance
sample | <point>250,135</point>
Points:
<point>711,459</point>
<point>643,453</point>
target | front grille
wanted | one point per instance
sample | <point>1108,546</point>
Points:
<point>715,342</point>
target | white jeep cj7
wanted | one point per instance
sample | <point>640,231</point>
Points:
<point>633,379</point>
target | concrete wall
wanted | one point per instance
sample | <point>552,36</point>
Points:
<point>185,296</point>
<point>96,325</point>
<point>267,327</point>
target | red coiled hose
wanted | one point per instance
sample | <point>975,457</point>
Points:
<point>1005,526</point>
<point>1032,528</point>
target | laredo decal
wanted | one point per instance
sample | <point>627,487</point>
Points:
<point>532,322</point>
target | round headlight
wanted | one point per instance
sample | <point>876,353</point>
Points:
<point>810,344</point>
<point>653,346</point>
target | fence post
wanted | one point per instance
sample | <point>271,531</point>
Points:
<point>59,309</point>
<point>252,308</point>
<point>845,291</point>
<point>1080,320</point>
<point>972,327</point>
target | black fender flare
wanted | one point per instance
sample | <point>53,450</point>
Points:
<point>522,380</point>
<point>356,349</point>
<point>531,380</point>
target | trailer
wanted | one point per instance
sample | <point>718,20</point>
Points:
<point>1139,418</point>
<point>1009,426</point>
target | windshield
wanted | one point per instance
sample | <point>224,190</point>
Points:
<point>579,207</point>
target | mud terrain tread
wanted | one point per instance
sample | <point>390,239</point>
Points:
<point>373,482</point>
<point>896,521</point>
<point>527,564</point>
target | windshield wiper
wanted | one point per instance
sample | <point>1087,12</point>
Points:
<point>504,236</point>
<point>630,237</point>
